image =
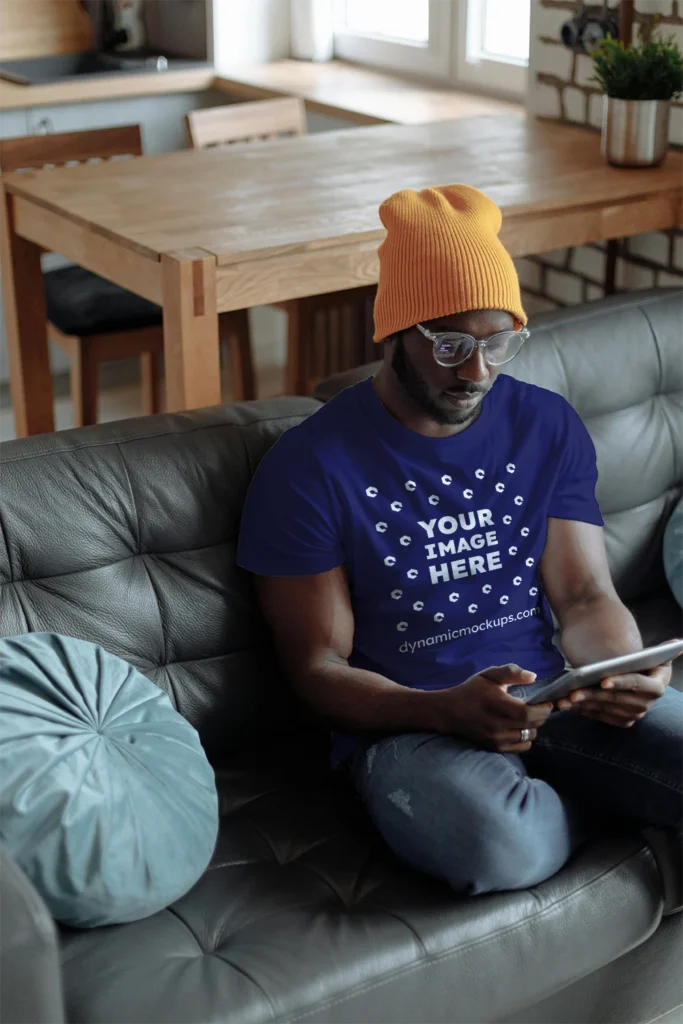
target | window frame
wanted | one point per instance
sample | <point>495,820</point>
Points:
<point>428,60</point>
<point>455,27</point>
<point>484,74</point>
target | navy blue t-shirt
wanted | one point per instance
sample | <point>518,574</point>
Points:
<point>442,537</point>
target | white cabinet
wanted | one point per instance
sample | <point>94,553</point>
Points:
<point>13,123</point>
<point>162,118</point>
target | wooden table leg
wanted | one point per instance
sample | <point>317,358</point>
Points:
<point>150,382</point>
<point>23,292</point>
<point>300,339</point>
<point>191,353</point>
<point>611,266</point>
<point>84,383</point>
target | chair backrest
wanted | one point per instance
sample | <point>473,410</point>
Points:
<point>246,122</point>
<point>54,150</point>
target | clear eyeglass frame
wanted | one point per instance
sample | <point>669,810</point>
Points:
<point>458,337</point>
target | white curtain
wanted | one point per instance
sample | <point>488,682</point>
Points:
<point>312,29</point>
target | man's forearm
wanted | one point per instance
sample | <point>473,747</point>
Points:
<point>366,701</point>
<point>596,629</point>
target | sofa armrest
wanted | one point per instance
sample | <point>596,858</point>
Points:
<point>30,974</point>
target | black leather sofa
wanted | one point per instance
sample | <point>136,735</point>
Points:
<point>125,534</point>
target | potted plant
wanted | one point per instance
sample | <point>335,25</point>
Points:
<point>639,82</point>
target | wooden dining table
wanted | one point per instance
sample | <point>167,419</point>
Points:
<point>202,232</point>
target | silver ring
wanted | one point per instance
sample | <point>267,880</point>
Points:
<point>525,735</point>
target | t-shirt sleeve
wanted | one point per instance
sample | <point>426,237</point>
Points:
<point>289,525</point>
<point>574,493</point>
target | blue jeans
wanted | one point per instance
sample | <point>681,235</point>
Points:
<point>485,822</point>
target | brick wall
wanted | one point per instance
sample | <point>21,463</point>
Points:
<point>560,87</point>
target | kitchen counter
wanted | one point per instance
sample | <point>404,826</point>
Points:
<point>358,95</point>
<point>105,87</point>
<point>361,95</point>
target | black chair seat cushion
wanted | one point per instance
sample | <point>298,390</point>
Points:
<point>305,915</point>
<point>81,303</point>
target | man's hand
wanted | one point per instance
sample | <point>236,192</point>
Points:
<point>620,700</point>
<point>481,710</point>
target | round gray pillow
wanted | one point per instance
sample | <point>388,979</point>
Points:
<point>107,799</point>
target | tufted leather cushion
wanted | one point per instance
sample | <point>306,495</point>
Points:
<point>82,303</point>
<point>305,916</point>
<point>125,535</point>
<point>618,362</point>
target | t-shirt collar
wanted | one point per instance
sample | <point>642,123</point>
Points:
<point>402,438</point>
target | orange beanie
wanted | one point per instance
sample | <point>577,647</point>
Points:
<point>442,255</point>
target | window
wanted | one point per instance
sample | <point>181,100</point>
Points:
<point>480,43</point>
<point>402,35</point>
<point>409,19</point>
<point>492,44</point>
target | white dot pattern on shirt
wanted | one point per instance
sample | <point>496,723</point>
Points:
<point>405,540</point>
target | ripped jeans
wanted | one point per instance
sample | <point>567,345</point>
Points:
<point>486,822</point>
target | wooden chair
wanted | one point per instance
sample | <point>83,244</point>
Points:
<point>246,122</point>
<point>321,328</point>
<point>91,319</point>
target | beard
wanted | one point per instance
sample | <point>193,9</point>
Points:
<point>431,401</point>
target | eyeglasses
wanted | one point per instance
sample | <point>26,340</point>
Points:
<point>452,349</point>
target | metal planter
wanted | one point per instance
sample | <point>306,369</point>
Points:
<point>635,133</point>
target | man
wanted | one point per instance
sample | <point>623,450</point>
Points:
<point>409,540</point>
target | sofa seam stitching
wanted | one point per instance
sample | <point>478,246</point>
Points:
<point>240,970</point>
<point>661,1016</point>
<point>118,561</point>
<point>132,495</point>
<point>145,437</point>
<point>552,909</point>
<point>413,931</point>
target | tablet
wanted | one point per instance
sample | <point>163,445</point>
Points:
<point>592,675</point>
